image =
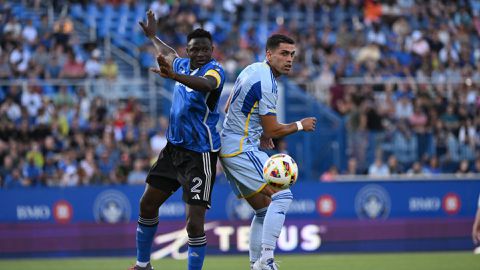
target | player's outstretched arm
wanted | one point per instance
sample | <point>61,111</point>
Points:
<point>273,129</point>
<point>150,29</point>
<point>203,84</point>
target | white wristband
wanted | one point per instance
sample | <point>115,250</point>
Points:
<point>299,125</point>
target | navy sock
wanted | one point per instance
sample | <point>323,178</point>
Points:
<point>146,229</point>
<point>196,252</point>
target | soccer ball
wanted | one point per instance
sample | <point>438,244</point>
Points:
<point>280,171</point>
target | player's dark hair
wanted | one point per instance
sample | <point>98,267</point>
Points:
<point>199,33</point>
<point>274,41</point>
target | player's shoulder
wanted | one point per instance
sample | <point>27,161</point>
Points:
<point>259,66</point>
<point>215,65</point>
<point>261,72</point>
<point>179,61</point>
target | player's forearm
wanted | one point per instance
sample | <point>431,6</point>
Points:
<point>281,130</point>
<point>197,83</point>
<point>162,47</point>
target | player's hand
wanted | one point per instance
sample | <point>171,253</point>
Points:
<point>309,123</point>
<point>165,69</point>
<point>150,28</point>
<point>266,143</point>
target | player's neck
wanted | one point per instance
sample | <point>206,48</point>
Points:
<point>275,73</point>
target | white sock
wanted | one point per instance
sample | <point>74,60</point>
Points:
<point>142,264</point>
<point>267,252</point>
<point>256,230</point>
<point>274,220</point>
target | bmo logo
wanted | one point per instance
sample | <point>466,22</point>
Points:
<point>34,212</point>
<point>326,205</point>
<point>62,211</point>
<point>451,203</point>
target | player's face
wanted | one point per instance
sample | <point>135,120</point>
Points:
<point>281,58</point>
<point>199,51</point>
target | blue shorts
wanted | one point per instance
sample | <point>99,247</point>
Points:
<point>245,172</point>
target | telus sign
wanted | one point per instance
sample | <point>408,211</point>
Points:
<point>232,238</point>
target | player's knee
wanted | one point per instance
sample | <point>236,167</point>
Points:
<point>148,207</point>
<point>195,227</point>
<point>284,196</point>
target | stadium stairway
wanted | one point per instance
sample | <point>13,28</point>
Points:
<point>326,146</point>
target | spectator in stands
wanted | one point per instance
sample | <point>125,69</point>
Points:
<point>14,180</point>
<point>6,72</point>
<point>433,166</point>
<point>404,107</point>
<point>41,58</point>
<point>450,119</point>
<point>72,69</point>
<point>123,169</point>
<point>394,167</point>
<point>378,168</point>
<point>405,144</point>
<point>158,141</point>
<point>13,27</point>
<point>352,167</point>
<point>417,170</point>
<point>330,174</point>
<point>476,165</point>
<point>53,68</point>
<point>70,172</point>
<point>44,30</point>
<point>31,173</point>
<point>29,33</point>
<point>32,101</point>
<point>463,168</point>
<point>90,168</point>
<point>109,69</point>
<point>62,30</point>
<point>63,98</point>
<point>19,58</point>
<point>6,169</point>
<point>138,175</point>
<point>93,67</point>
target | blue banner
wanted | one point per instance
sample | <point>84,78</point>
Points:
<point>324,217</point>
<point>380,200</point>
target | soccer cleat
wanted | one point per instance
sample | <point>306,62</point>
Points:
<point>268,265</point>
<point>136,267</point>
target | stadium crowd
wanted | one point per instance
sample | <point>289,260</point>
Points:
<point>412,108</point>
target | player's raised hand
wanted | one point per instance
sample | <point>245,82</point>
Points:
<point>309,123</point>
<point>266,143</point>
<point>165,69</point>
<point>150,28</point>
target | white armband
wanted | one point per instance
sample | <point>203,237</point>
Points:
<point>299,125</point>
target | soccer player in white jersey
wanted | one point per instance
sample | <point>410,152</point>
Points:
<point>250,124</point>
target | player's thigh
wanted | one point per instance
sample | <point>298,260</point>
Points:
<point>245,172</point>
<point>163,174</point>
<point>151,200</point>
<point>196,173</point>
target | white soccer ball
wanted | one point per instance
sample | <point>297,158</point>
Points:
<point>280,171</point>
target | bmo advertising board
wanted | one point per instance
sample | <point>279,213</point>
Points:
<point>324,217</point>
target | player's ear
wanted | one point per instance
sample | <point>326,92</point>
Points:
<point>268,54</point>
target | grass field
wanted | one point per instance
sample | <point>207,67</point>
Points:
<point>382,261</point>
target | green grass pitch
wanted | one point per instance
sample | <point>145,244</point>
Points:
<point>370,261</point>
